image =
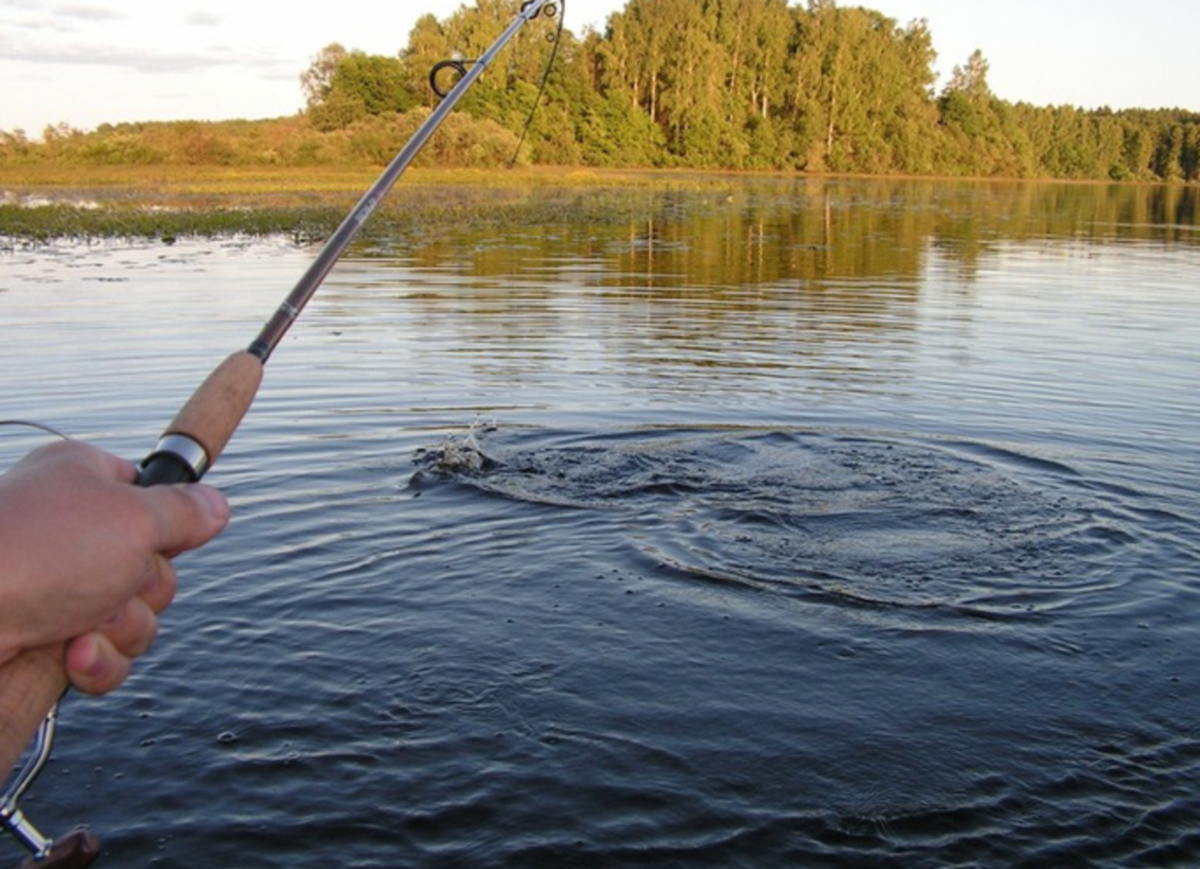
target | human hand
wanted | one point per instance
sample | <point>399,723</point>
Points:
<point>85,557</point>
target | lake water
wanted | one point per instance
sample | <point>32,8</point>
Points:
<point>787,523</point>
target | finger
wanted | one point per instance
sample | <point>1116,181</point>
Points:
<point>132,629</point>
<point>88,460</point>
<point>161,583</point>
<point>94,665</point>
<point>188,516</point>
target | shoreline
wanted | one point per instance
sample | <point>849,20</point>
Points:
<point>44,203</point>
<point>207,179</point>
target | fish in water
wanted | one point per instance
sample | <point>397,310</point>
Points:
<point>457,454</point>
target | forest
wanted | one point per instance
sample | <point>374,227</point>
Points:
<point>706,84</point>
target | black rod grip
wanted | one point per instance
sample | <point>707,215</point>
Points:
<point>164,469</point>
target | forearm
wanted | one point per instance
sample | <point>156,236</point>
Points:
<point>30,684</point>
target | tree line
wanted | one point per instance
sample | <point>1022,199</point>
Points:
<point>715,84</point>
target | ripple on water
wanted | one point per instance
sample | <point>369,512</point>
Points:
<point>853,518</point>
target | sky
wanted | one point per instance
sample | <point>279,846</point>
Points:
<point>87,62</point>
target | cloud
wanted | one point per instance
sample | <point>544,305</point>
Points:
<point>202,18</point>
<point>111,35</point>
<point>138,59</point>
<point>90,14</point>
<point>81,35</point>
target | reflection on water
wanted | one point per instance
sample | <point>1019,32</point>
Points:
<point>765,231</point>
<point>812,523</point>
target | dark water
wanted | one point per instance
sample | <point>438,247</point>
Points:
<point>829,524</point>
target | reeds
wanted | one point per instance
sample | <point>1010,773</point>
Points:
<point>42,203</point>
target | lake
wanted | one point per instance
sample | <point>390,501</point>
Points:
<point>812,523</point>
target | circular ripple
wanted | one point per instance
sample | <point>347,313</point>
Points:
<point>882,520</point>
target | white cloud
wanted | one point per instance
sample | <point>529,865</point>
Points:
<point>136,59</point>
<point>203,18</point>
<point>86,13</point>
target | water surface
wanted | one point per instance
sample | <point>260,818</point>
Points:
<point>793,523</point>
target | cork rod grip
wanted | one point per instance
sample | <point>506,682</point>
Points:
<point>216,408</point>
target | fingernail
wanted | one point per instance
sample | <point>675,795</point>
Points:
<point>214,502</point>
<point>93,664</point>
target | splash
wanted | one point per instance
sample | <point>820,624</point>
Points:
<point>853,518</point>
<point>459,453</point>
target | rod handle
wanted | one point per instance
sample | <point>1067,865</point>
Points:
<point>196,437</point>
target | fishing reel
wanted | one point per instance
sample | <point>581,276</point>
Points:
<point>76,850</point>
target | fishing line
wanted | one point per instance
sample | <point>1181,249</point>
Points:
<point>48,429</point>
<point>550,11</point>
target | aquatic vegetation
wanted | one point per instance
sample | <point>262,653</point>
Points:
<point>24,224</point>
<point>127,202</point>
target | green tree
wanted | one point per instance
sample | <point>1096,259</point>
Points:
<point>377,81</point>
<point>971,80</point>
<point>860,87</point>
<point>427,46</point>
<point>15,145</point>
<point>983,134</point>
<point>315,81</point>
<point>343,87</point>
<point>1171,155</point>
<point>713,83</point>
<point>1191,152</point>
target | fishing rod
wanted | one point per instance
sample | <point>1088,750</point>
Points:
<point>32,683</point>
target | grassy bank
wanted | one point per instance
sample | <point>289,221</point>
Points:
<point>46,202</point>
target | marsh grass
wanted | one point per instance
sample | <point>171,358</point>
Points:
<point>42,203</point>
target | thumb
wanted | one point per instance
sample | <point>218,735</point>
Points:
<point>188,515</point>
